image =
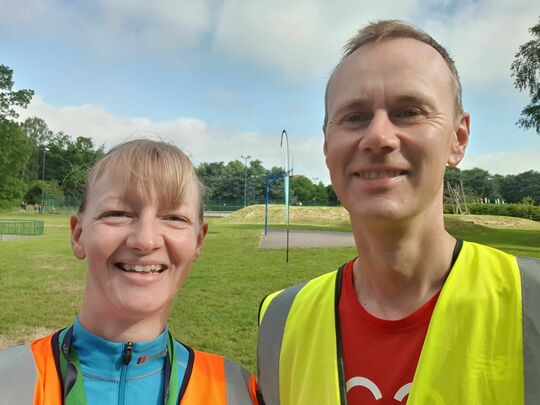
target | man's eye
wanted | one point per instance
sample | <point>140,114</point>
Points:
<point>357,117</point>
<point>409,113</point>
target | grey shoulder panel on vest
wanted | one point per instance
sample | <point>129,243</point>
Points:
<point>237,382</point>
<point>17,376</point>
<point>270,340</point>
<point>530,284</point>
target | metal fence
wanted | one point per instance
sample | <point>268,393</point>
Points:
<point>21,227</point>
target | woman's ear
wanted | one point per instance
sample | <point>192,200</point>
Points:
<point>200,237</point>
<point>77,246</point>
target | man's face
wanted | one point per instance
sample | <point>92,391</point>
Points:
<point>391,130</point>
<point>138,250</point>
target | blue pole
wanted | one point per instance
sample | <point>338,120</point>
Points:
<point>266,213</point>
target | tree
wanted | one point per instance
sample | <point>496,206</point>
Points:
<point>39,135</point>
<point>302,190</point>
<point>211,175</point>
<point>37,130</point>
<point>478,182</point>
<point>320,195</point>
<point>276,192</point>
<point>15,152</point>
<point>526,74</point>
<point>514,188</point>
<point>332,197</point>
<point>256,182</point>
<point>67,161</point>
<point>10,98</point>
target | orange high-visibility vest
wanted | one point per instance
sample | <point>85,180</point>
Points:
<point>212,380</point>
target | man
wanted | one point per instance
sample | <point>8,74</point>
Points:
<point>140,228</point>
<point>418,316</point>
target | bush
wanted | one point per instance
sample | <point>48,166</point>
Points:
<point>509,210</point>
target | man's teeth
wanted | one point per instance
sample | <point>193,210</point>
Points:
<point>153,268</point>
<point>379,175</point>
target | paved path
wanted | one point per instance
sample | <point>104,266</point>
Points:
<point>277,239</point>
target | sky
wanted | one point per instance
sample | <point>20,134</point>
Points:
<point>223,79</point>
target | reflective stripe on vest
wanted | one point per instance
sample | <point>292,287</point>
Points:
<point>530,282</point>
<point>305,374</point>
<point>213,379</point>
<point>270,338</point>
<point>16,371</point>
<point>476,333</point>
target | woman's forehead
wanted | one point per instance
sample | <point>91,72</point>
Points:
<point>114,188</point>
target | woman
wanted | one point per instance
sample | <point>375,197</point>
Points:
<point>140,227</point>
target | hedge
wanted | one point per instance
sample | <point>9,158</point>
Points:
<point>508,210</point>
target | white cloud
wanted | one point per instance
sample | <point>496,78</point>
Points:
<point>511,162</point>
<point>302,39</point>
<point>201,141</point>
<point>112,28</point>
<point>484,35</point>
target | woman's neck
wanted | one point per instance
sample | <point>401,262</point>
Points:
<point>120,329</point>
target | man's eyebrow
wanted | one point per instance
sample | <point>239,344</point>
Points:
<point>357,102</point>
<point>416,98</point>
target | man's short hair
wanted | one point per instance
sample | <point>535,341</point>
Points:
<point>150,166</point>
<point>385,30</point>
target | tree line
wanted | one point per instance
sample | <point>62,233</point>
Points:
<point>235,183</point>
<point>481,186</point>
<point>37,164</point>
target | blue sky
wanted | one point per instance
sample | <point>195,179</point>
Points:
<point>222,79</point>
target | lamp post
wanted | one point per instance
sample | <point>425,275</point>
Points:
<point>245,178</point>
<point>43,178</point>
<point>287,175</point>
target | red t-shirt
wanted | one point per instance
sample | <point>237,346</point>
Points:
<point>380,356</point>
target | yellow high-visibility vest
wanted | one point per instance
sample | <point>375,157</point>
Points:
<point>482,345</point>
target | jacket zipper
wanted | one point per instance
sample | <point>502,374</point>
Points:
<point>126,359</point>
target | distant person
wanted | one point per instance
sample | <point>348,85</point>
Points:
<point>418,316</point>
<point>140,227</point>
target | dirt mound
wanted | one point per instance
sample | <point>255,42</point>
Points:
<point>323,216</point>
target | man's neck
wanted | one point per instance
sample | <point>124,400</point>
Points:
<point>400,267</point>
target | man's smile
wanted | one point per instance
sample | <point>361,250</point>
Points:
<point>379,174</point>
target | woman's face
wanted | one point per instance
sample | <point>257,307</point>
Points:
<point>138,251</point>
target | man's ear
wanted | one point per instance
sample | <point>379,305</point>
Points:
<point>77,246</point>
<point>325,146</point>
<point>460,140</point>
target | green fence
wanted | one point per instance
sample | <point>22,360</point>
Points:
<point>21,227</point>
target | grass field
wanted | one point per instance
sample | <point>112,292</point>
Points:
<point>42,284</point>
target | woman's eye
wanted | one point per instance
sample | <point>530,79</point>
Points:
<point>115,214</point>
<point>176,218</point>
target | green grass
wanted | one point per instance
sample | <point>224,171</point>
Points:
<point>216,310</point>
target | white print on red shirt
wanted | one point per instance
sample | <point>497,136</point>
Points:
<point>370,385</point>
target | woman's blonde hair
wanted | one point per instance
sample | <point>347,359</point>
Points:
<point>150,166</point>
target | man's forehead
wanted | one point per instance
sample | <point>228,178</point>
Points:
<point>416,62</point>
<point>393,53</point>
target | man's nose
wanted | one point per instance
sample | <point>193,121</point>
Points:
<point>380,135</point>
<point>145,235</point>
